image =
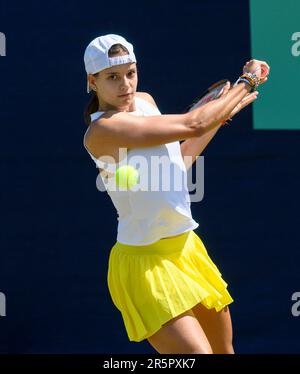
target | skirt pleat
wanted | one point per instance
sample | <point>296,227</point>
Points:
<point>154,283</point>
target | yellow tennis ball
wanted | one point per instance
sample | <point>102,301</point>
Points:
<point>126,176</point>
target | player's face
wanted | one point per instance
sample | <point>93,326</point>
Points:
<point>116,86</point>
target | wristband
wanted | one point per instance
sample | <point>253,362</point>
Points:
<point>252,78</point>
<point>249,82</point>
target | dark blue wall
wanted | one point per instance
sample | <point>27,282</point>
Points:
<point>57,228</point>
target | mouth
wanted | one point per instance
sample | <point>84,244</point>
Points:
<point>125,95</point>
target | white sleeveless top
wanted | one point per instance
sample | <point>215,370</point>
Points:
<point>158,207</point>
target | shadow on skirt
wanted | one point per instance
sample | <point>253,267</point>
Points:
<point>154,283</point>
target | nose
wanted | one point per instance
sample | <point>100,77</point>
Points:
<point>125,84</point>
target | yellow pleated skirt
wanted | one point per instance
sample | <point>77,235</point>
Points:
<point>152,284</point>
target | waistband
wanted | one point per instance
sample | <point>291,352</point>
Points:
<point>164,245</point>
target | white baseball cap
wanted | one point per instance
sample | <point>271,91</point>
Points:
<point>96,54</point>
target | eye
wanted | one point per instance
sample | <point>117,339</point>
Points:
<point>132,73</point>
<point>113,76</point>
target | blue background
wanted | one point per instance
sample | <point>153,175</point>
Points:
<point>57,228</point>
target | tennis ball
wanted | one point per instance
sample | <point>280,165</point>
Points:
<point>126,176</point>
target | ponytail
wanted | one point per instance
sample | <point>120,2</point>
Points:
<point>91,107</point>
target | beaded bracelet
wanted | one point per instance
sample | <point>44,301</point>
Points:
<point>253,86</point>
<point>250,79</point>
<point>253,82</point>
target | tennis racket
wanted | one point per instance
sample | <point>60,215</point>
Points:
<point>212,93</point>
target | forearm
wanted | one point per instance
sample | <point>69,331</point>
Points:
<point>210,115</point>
<point>193,147</point>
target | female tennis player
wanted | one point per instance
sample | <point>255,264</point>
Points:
<point>160,275</point>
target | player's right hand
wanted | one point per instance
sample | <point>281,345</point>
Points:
<point>255,67</point>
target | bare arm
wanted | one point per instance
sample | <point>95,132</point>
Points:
<point>218,110</point>
<point>194,147</point>
<point>125,130</point>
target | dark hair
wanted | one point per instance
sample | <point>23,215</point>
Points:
<point>93,104</point>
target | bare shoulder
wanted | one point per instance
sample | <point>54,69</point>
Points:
<point>146,96</point>
<point>94,139</point>
<point>96,136</point>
